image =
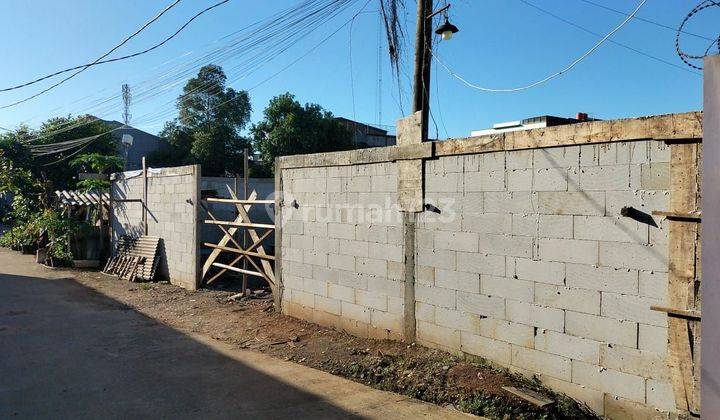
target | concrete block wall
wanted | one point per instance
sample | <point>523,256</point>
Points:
<point>343,249</point>
<point>528,262</point>
<point>172,216</point>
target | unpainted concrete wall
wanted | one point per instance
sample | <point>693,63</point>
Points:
<point>172,216</point>
<point>523,258</point>
<point>343,248</point>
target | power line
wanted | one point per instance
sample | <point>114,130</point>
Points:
<point>553,75</point>
<point>652,22</point>
<point>83,68</point>
<point>619,44</point>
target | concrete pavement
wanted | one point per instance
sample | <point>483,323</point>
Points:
<point>67,351</point>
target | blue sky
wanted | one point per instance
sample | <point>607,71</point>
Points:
<point>501,44</point>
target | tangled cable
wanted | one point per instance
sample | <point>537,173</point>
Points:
<point>687,57</point>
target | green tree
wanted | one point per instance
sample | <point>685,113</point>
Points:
<point>209,125</point>
<point>290,128</point>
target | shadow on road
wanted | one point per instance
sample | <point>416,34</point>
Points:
<point>67,351</point>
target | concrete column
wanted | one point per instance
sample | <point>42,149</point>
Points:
<point>710,363</point>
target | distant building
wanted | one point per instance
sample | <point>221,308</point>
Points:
<point>530,123</point>
<point>365,135</point>
<point>143,144</point>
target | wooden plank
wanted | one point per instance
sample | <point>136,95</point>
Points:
<point>241,257</point>
<point>224,241</point>
<point>680,313</point>
<point>239,224</point>
<point>529,395</point>
<point>233,201</point>
<point>239,251</point>
<point>239,270</point>
<point>682,246</point>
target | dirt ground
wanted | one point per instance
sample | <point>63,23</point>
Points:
<point>427,374</point>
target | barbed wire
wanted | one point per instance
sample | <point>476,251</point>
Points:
<point>705,4</point>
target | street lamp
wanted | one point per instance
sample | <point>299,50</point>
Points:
<point>446,30</point>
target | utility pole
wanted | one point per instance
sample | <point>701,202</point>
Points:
<point>421,81</point>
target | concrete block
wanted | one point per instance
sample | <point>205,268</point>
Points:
<point>632,308</point>
<point>493,350</point>
<point>633,152</point>
<point>653,284</point>
<point>315,258</point>
<point>386,321</point>
<point>652,338</point>
<point>326,319</point>
<point>301,242</point>
<point>371,266</point>
<point>387,252</point>
<point>354,248</point>
<point>660,395</point>
<point>573,203</point>
<point>568,250</point>
<point>606,279</point>
<point>326,274</point>
<point>605,178</point>
<point>522,202</point>
<point>507,288</point>
<point>384,183</point>
<point>340,262</point>
<point>509,332</point>
<point>354,327</point>
<point>488,306</point>
<point>448,182</point>
<point>424,312</point>
<point>634,256</point>
<point>359,184</point>
<point>637,362</point>
<point>610,381</point>
<point>655,176</point>
<point>659,234</point>
<point>611,229</point>
<point>435,296</point>
<point>442,336</point>
<point>297,269</point>
<point>457,280</point>
<point>458,320</point>
<point>551,179</point>
<point>456,241</point>
<point>355,312</point>
<point>487,223</point>
<point>659,151</point>
<point>319,229</point>
<point>484,180</point>
<point>343,293</point>
<point>540,271</point>
<point>396,305</point>
<point>606,330</point>
<point>424,238</point>
<point>591,397</point>
<point>566,345</point>
<point>645,201</point>
<point>341,230</point>
<point>472,203</point>
<point>316,287</point>
<point>303,298</point>
<point>370,299</point>
<point>520,180</point>
<point>519,159</point>
<point>396,270</point>
<point>438,259</point>
<point>328,305</point>
<point>578,300</point>
<point>535,315</point>
<point>481,263</point>
<point>556,157</point>
<point>425,275</point>
<point>537,361</point>
<point>523,225</point>
<point>292,254</point>
<point>394,235</point>
<point>371,233</point>
<point>555,226</point>
<point>517,246</point>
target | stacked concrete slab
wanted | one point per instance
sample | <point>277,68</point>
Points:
<point>172,195</point>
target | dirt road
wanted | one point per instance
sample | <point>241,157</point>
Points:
<point>69,351</point>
